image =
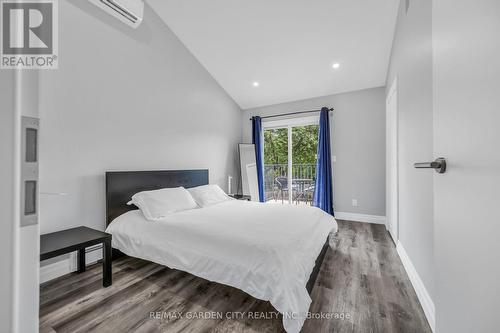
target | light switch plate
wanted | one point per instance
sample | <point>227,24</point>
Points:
<point>29,171</point>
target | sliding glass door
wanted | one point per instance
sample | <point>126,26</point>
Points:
<point>290,148</point>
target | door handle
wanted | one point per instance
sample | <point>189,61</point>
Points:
<point>439,164</point>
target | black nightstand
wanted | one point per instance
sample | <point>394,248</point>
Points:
<point>77,239</point>
<point>241,197</point>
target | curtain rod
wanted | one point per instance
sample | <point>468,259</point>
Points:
<point>291,113</point>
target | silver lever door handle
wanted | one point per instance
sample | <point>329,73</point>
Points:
<point>439,164</point>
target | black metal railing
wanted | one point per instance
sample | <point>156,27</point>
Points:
<point>276,182</point>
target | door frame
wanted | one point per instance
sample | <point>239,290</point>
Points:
<point>392,162</point>
<point>289,124</point>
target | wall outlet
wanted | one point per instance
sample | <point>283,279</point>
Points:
<point>355,202</point>
<point>334,158</point>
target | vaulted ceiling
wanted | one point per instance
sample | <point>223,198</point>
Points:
<point>287,46</point>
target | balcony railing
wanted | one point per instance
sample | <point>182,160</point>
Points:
<point>303,177</point>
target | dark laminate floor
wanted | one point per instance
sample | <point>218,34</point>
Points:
<point>362,278</point>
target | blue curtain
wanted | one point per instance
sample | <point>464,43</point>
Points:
<point>323,191</point>
<point>259,152</point>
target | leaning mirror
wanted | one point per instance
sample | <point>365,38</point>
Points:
<point>248,171</point>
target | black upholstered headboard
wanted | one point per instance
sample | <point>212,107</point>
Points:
<point>122,185</point>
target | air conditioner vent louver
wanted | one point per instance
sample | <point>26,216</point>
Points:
<point>127,11</point>
<point>117,8</point>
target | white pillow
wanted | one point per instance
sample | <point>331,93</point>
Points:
<point>208,195</point>
<point>157,204</point>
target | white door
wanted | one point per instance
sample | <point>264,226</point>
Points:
<point>466,49</point>
<point>392,161</point>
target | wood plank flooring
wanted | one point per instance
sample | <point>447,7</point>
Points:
<point>362,287</point>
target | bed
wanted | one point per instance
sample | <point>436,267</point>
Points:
<point>272,252</point>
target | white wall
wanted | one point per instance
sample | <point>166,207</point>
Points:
<point>466,49</point>
<point>411,63</point>
<point>358,142</point>
<point>125,99</point>
<point>7,136</point>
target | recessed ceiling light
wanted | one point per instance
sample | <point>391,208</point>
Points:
<point>256,84</point>
<point>336,65</point>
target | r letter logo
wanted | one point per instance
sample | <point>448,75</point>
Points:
<point>29,34</point>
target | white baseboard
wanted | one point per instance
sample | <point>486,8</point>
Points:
<point>54,270</point>
<point>422,294</point>
<point>68,265</point>
<point>93,254</point>
<point>376,219</point>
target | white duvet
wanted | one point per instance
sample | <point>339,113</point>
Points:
<point>266,250</point>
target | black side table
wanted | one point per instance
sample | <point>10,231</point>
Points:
<point>77,239</point>
<point>241,197</point>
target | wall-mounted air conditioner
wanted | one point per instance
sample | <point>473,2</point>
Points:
<point>127,11</point>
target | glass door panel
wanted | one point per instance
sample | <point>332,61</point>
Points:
<point>276,165</point>
<point>304,157</point>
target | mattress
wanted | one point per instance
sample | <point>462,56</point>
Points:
<point>266,250</point>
